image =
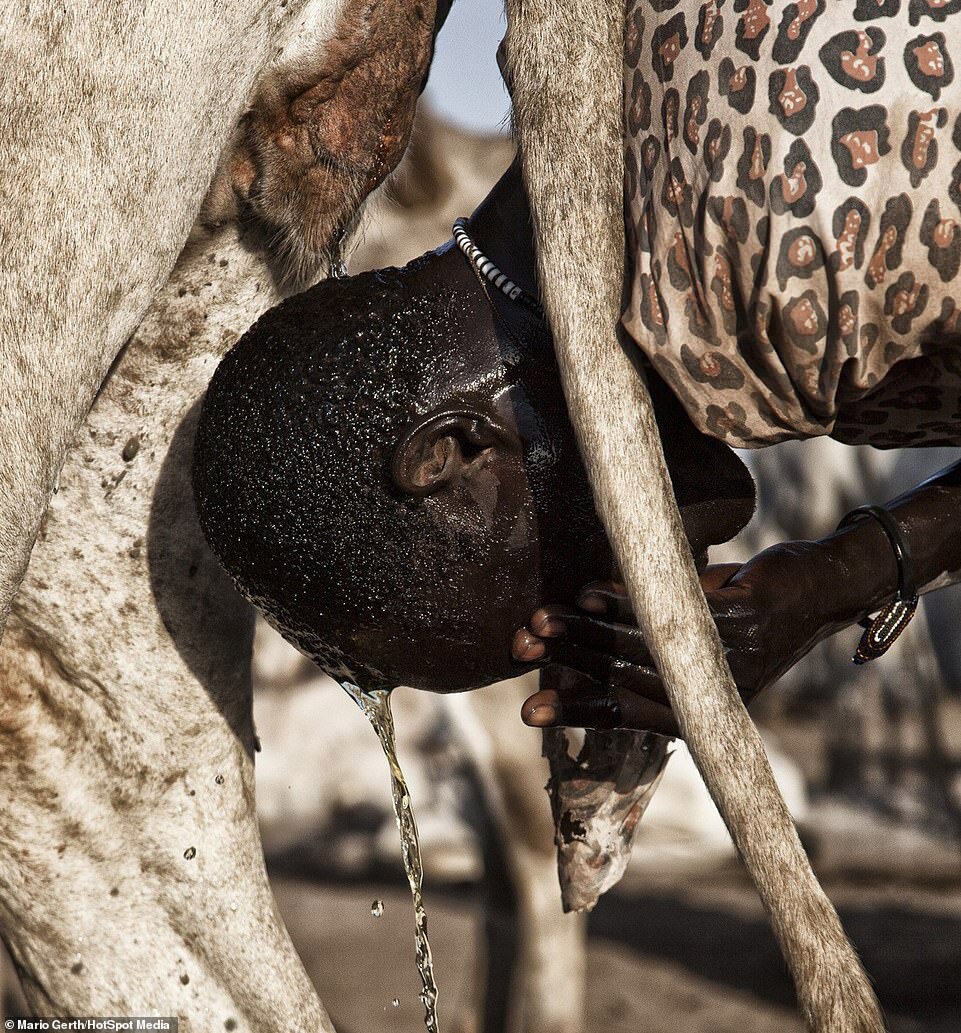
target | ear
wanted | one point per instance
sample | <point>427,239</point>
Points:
<point>447,448</point>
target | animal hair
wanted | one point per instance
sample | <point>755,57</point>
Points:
<point>324,129</point>
<point>571,140</point>
<point>129,109</point>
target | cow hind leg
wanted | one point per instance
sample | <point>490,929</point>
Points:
<point>132,878</point>
<point>570,130</point>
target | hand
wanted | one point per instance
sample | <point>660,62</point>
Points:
<point>769,612</point>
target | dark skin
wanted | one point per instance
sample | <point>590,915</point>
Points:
<point>770,611</point>
<point>468,509</point>
<point>385,465</point>
<point>499,448</point>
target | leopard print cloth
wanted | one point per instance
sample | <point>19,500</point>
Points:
<point>793,205</point>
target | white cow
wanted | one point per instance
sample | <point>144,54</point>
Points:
<point>131,872</point>
<point>113,121</point>
<point>104,203</point>
<point>125,670</point>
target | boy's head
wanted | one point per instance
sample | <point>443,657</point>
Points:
<point>385,467</point>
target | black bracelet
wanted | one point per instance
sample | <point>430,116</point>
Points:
<point>881,632</point>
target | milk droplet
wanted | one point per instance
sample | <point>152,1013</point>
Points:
<point>395,1002</point>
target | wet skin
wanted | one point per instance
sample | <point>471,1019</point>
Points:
<point>427,498</point>
<point>512,454</point>
<point>474,507</point>
<point>770,612</point>
<point>492,454</point>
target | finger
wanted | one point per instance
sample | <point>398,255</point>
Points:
<point>527,648</point>
<point>607,671</point>
<point>717,576</point>
<point>610,599</point>
<point>620,641</point>
<point>607,599</point>
<point>619,708</point>
<point>598,666</point>
<point>551,621</point>
<point>547,622</point>
<point>625,710</point>
<point>540,710</point>
<point>552,676</point>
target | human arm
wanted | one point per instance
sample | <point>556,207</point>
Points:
<point>770,612</point>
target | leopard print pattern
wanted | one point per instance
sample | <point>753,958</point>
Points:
<point>793,207</point>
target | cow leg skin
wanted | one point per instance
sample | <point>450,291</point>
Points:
<point>112,122</point>
<point>132,879</point>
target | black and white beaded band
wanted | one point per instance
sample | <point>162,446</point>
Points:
<point>881,631</point>
<point>490,272</point>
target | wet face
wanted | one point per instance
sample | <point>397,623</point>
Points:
<point>428,493</point>
<point>493,467</point>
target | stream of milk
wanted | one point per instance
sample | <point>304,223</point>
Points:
<point>376,708</point>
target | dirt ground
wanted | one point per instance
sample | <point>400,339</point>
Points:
<point>666,956</point>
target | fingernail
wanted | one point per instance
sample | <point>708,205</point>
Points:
<point>551,627</point>
<point>592,602</point>
<point>534,650</point>
<point>538,619</point>
<point>541,716</point>
<point>526,647</point>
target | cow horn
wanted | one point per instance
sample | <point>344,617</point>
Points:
<point>564,63</point>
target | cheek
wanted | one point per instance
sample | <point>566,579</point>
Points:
<point>573,547</point>
<point>512,576</point>
<point>497,508</point>
<point>487,500</point>
<point>516,515</point>
<point>500,594</point>
<point>558,484</point>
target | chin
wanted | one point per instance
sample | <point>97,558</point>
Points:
<point>442,664</point>
<point>466,680</point>
<point>589,559</point>
<point>466,676</point>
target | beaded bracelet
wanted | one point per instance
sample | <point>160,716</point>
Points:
<point>882,631</point>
